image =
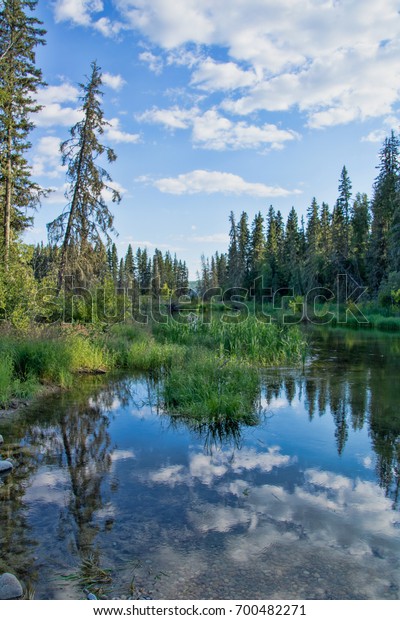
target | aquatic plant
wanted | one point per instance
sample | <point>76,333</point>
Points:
<point>209,388</point>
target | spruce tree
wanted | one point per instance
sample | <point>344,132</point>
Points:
<point>313,262</point>
<point>360,229</point>
<point>292,252</point>
<point>233,254</point>
<point>19,80</point>
<point>129,267</point>
<point>87,217</point>
<point>341,224</point>
<point>243,236</point>
<point>384,205</point>
<point>326,246</point>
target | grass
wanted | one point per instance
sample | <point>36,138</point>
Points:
<point>251,340</point>
<point>208,370</point>
<point>212,389</point>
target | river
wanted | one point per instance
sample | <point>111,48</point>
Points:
<point>110,493</point>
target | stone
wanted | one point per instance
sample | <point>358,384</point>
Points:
<point>10,587</point>
<point>5,466</point>
<point>1,439</point>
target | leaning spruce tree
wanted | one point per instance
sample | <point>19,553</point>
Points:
<point>19,80</point>
<point>87,217</point>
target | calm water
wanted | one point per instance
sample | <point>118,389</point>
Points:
<point>303,505</point>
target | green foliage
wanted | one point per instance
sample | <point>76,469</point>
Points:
<point>148,355</point>
<point>88,217</point>
<point>210,388</point>
<point>251,340</point>
<point>18,289</point>
<point>19,80</point>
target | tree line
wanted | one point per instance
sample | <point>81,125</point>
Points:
<point>358,237</point>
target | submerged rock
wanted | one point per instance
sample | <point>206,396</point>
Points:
<point>5,466</point>
<point>10,587</point>
<point>1,439</point>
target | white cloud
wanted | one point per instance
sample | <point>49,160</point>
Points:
<point>166,22</point>
<point>58,94</point>
<point>172,118</point>
<point>77,11</point>
<point>114,133</point>
<point>53,112</point>
<point>116,82</point>
<point>212,131</point>
<point>323,58</point>
<point>47,157</point>
<point>81,13</point>
<point>155,62</point>
<point>107,27</point>
<point>378,135</point>
<point>212,76</point>
<point>212,182</point>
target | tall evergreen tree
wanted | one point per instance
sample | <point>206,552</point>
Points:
<point>313,261</point>
<point>326,246</point>
<point>243,237</point>
<point>87,216</point>
<point>129,267</point>
<point>21,33</point>
<point>384,205</point>
<point>233,254</point>
<point>257,248</point>
<point>360,229</point>
<point>341,223</point>
<point>292,264</point>
<point>113,263</point>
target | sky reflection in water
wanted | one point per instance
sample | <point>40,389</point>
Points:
<point>304,505</point>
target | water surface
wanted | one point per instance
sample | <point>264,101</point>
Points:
<point>302,505</point>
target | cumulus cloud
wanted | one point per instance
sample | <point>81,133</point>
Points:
<point>47,157</point>
<point>211,130</point>
<point>155,63</point>
<point>77,11</point>
<point>54,112</point>
<point>82,13</point>
<point>213,76</point>
<point>116,82</point>
<point>172,118</point>
<point>323,58</point>
<point>212,182</point>
<point>114,133</point>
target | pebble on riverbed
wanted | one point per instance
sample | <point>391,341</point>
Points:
<point>5,466</point>
<point>10,587</point>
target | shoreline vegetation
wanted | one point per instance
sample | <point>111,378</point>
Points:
<point>207,357</point>
<point>208,370</point>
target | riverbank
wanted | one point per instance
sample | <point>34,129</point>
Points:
<point>207,358</point>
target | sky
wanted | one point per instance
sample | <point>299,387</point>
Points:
<point>217,106</point>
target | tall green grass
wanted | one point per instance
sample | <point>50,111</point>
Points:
<point>256,342</point>
<point>207,370</point>
<point>208,388</point>
<point>27,364</point>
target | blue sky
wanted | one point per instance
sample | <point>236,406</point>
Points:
<point>217,106</point>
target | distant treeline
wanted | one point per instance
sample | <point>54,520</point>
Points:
<point>137,271</point>
<point>358,237</point>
